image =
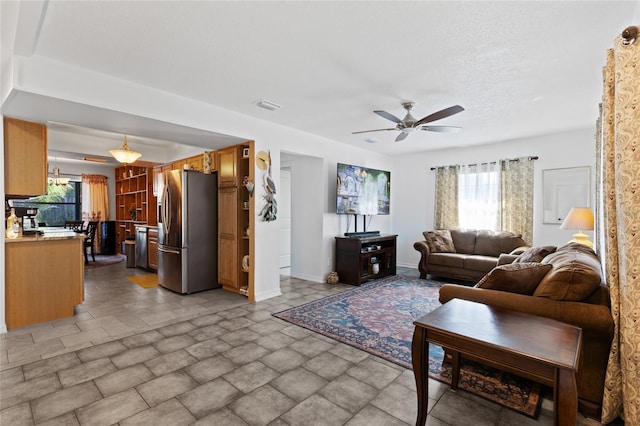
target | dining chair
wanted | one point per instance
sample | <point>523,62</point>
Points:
<point>74,225</point>
<point>92,227</point>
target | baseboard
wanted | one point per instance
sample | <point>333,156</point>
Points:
<point>267,295</point>
<point>312,278</point>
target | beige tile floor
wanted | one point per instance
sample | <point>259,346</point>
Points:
<point>134,356</point>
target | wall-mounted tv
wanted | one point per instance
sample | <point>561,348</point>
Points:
<point>362,190</point>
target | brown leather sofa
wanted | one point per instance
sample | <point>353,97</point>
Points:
<point>572,291</point>
<point>472,255</point>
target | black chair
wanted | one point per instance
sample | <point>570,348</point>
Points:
<point>92,228</point>
<point>74,225</point>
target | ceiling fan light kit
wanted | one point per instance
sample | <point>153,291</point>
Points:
<point>409,124</point>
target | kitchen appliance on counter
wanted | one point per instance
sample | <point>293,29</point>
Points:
<point>188,231</point>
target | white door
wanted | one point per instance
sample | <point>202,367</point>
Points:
<point>284,218</point>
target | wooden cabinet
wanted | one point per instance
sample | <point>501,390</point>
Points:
<point>235,219</point>
<point>44,279</point>
<point>366,258</point>
<point>152,249</point>
<point>228,167</point>
<point>25,158</point>
<point>135,202</point>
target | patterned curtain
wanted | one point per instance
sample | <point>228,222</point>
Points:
<point>620,245</point>
<point>517,197</point>
<point>95,202</point>
<point>446,209</point>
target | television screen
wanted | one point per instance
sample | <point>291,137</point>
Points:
<point>362,190</point>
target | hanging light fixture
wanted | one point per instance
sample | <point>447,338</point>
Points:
<point>56,179</point>
<point>124,154</point>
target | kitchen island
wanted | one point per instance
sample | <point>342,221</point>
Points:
<point>44,277</point>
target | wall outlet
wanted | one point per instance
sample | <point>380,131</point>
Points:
<point>329,261</point>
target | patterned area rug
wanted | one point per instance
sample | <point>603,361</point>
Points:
<point>104,260</point>
<point>378,318</point>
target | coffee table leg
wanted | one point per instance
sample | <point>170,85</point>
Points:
<point>455,369</point>
<point>420,361</point>
<point>565,398</point>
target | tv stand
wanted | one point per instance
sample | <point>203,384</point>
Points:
<point>365,258</point>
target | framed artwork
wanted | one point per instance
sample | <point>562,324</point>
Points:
<point>564,189</point>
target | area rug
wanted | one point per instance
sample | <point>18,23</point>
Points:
<point>146,280</point>
<point>377,317</point>
<point>104,260</point>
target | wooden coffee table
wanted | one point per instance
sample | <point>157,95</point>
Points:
<point>537,348</point>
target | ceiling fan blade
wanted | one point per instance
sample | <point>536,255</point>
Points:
<point>388,116</point>
<point>376,130</point>
<point>442,129</point>
<point>440,115</point>
<point>402,136</point>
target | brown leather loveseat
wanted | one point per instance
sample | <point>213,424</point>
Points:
<point>566,285</point>
<point>464,254</point>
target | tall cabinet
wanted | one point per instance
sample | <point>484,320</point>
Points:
<point>236,214</point>
<point>135,202</point>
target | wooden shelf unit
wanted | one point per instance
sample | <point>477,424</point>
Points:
<point>356,258</point>
<point>236,216</point>
<point>134,193</point>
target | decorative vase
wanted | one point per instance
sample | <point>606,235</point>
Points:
<point>332,278</point>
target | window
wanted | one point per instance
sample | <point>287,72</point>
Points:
<point>495,195</point>
<point>61,203</point>
<point>479,197</point>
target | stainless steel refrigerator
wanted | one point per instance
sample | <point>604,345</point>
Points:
<point>188,231</point>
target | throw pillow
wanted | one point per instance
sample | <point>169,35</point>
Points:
<point>576,274</point>
<point>535,254</point>
<point>520,278</point>
<point>439,241</point>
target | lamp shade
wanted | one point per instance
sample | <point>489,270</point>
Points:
<point>580,218</point>
<point>124,154</point>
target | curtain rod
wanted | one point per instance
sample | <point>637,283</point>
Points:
<point>475,164</point>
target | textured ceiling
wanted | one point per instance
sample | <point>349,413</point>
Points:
<point>518,68</point>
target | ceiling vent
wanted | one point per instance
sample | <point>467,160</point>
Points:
<point>271,106</point>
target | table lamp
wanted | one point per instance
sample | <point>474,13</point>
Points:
<point>580,218</point>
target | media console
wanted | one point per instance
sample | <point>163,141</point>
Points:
<point>359,259</point>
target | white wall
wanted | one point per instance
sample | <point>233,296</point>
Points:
<point>413,183</point>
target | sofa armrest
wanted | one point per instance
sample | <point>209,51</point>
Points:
<point>595,319</point>
<point>423,265</point>
<point>505,259</point>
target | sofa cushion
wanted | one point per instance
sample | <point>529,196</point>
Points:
<point>439,241</point>
<point>490,243</point>
<point>576,273</point>
<point>521,278</point>
<point>535,254</point>
<point>455,260</point>
<point>477,262</point>
<point>464,240</point>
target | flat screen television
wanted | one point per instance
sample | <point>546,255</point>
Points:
<point>362,190</point>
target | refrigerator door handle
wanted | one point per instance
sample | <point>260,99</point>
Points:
<point>166,209</point>
<point>164,250</point>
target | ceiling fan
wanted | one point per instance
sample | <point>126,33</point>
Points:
<point>409,124</point>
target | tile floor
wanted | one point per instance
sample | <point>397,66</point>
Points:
<point>134,356</point>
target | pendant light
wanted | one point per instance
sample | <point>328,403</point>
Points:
<point>56,179</point>
<point>124,154</point>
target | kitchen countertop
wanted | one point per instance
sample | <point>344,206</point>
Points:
<point>48,234</point>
